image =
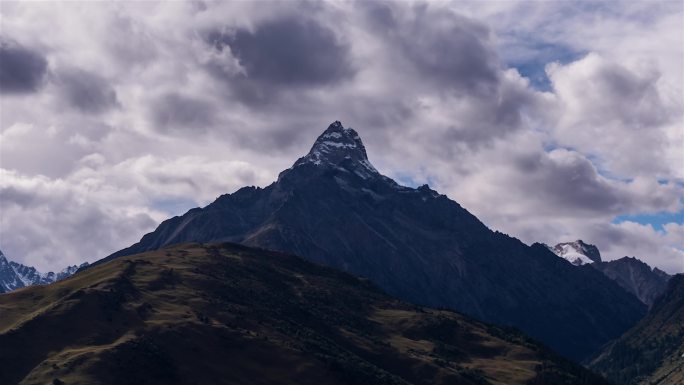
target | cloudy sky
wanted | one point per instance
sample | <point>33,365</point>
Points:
<point>551,121</point>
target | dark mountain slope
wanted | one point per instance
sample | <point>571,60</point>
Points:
<point>227,314</point>
<point>652,352</point>
<point>334,208</point>
<point>636,277</point>
<point>631,274</point>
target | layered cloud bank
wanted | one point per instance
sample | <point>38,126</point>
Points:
<point>549,121</point>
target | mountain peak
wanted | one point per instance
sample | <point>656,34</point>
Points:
<point>14,275</point>
<point>577,252</point>
<point>335,209</point>
<point>338,144</point>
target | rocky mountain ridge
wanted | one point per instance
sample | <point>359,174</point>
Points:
<point>577,252</point>
<point>332,207</point>
<point>632,274</point>
<point>14,275</point>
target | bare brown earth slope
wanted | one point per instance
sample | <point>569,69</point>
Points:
<point>228,314</point>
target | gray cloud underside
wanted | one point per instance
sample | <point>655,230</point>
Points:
<point>21,69</point>
<point>85,92</point>
<point>279,55</point>
<point>288,52</point>
<point>175,111</point>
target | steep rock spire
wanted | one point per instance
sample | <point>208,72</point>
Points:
<point>338,145</point>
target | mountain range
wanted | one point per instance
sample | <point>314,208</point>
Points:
<point>632,274</point>
<point>14,275</point>
<point>334,208</point>
<point>227,314</point>
<point>652,352</point>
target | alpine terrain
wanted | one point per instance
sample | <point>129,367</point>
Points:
<point>636,277</point>
<point>578,253</point>
<point>333,207</point>
<point>14,275</point>
<point>630,273</point>
<point>652,352</point>
<point>228,314</point>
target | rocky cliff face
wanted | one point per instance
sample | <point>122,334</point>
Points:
<point>636,277</point>
<point>14,275</point>
<point>577,252</point>
<point>334,208</point>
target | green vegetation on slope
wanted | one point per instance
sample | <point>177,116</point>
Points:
<point>651,353</point>
<point>227,314</point>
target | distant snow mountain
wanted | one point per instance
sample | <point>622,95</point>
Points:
<point>634,275</point>
<point>14,275</point>
<point>577,253</point>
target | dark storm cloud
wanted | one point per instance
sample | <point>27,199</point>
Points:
<point>577,184</point>
<point>453,50</point>
<point>85,91</point>
<point>381,15</point>
<point>442,54</point>
<point>11,195</point>
<point>491,116</point>
<point>179,112</point>
<point>285,52</point>
<point>21,70</point>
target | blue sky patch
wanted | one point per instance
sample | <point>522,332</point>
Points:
<point>655,220</point>
<point>533,66</point>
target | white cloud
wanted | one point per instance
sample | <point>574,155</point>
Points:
<point>613,113</point>
<point>94,211</point>
<point>664,249</point>
<point>516,187</point>
<point>427,88</point>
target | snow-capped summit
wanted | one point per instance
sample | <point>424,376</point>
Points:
<point>577,252</point>
<point>632,274</point>
<point>337,145</point>
<point>14,275</point>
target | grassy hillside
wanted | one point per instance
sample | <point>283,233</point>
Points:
<point>651,353</point>
<point>226,314</point>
